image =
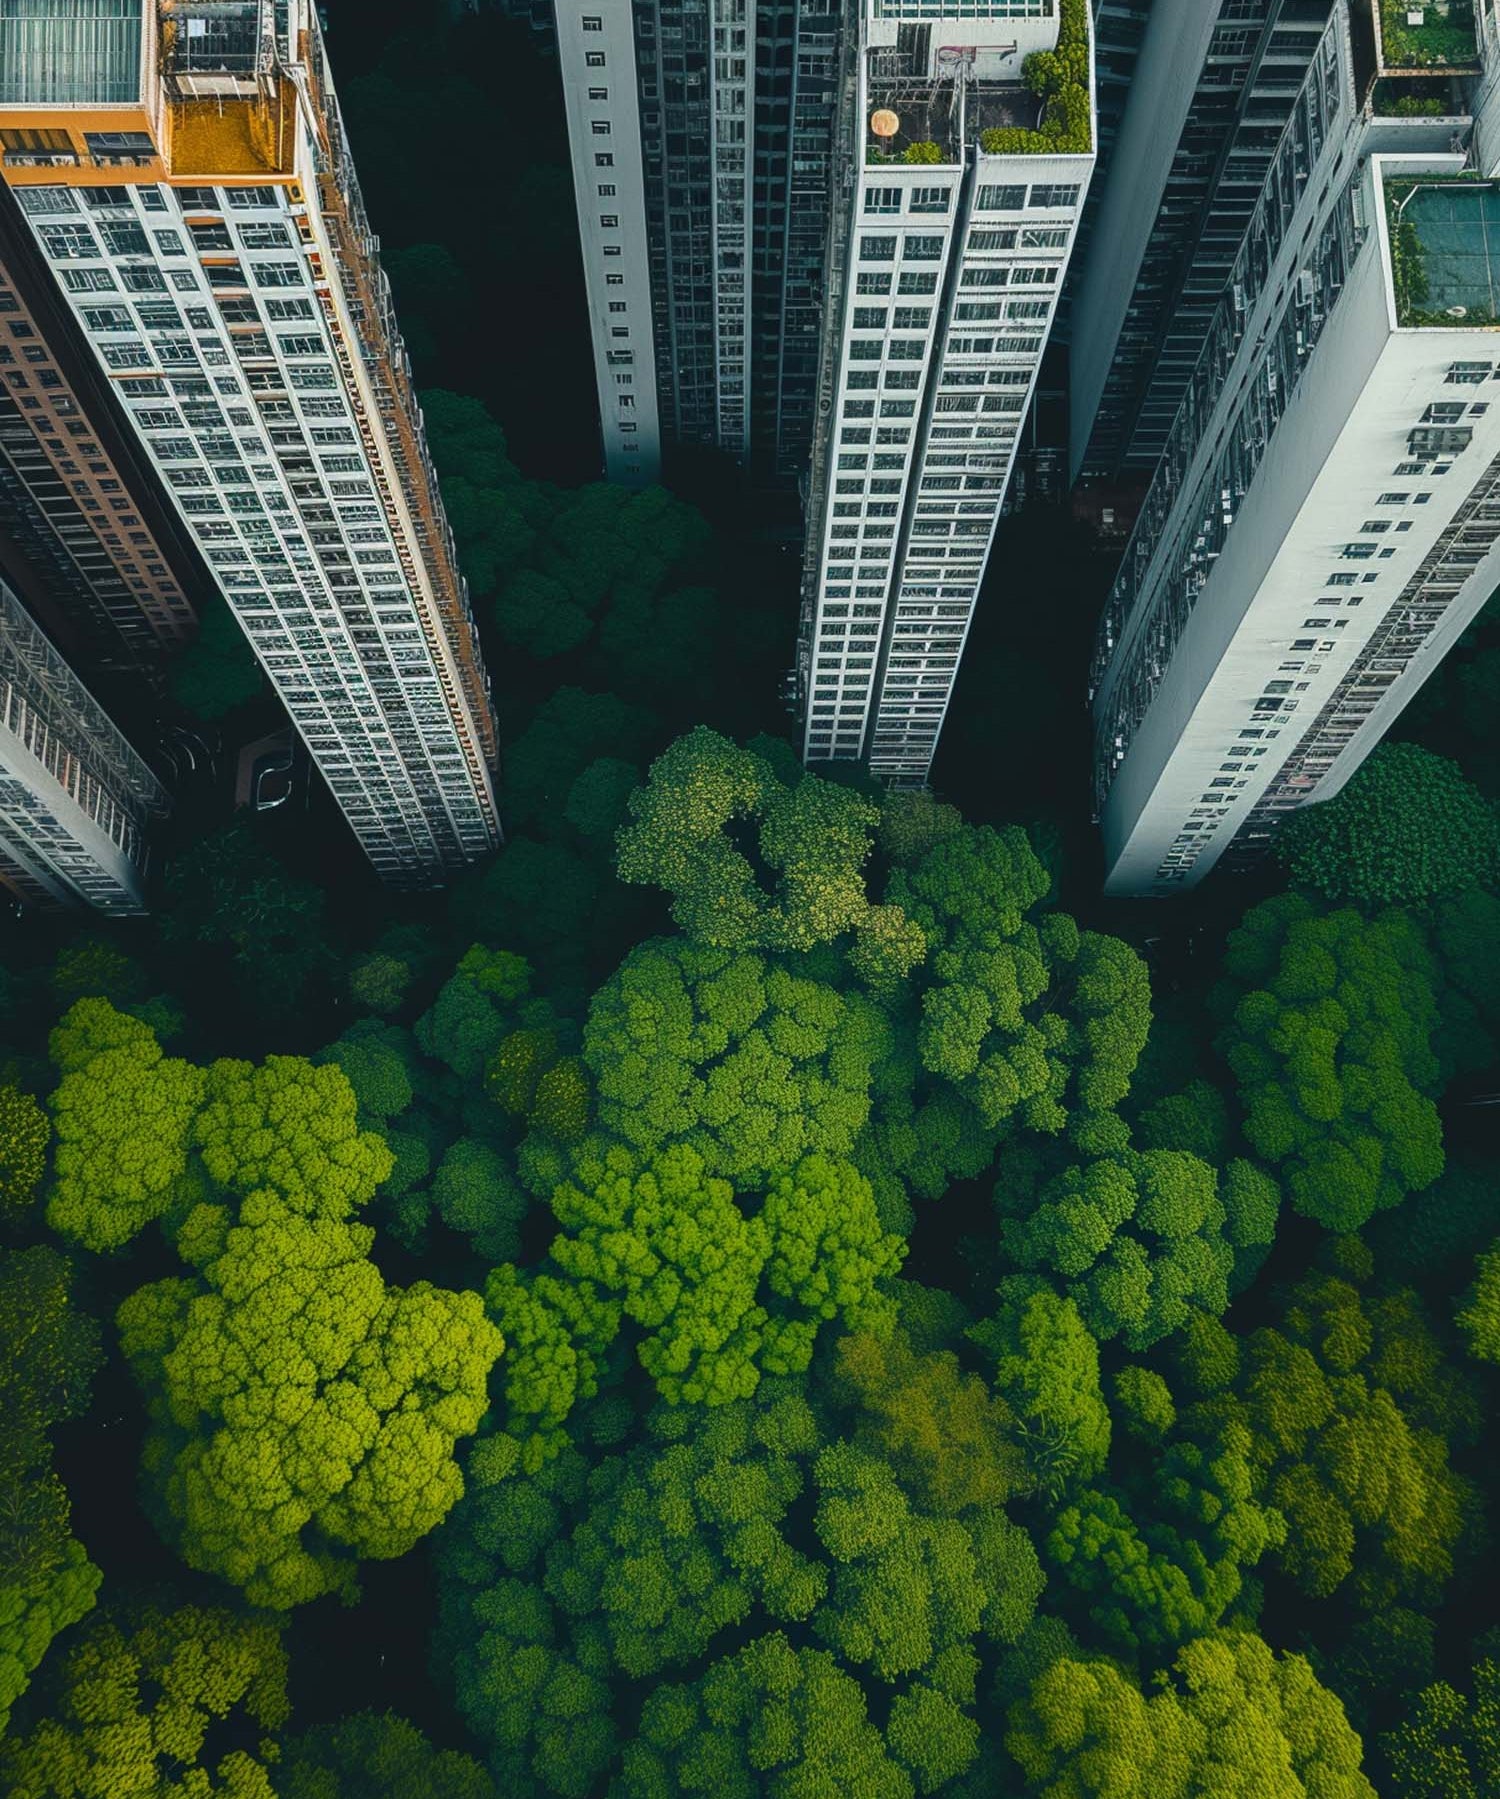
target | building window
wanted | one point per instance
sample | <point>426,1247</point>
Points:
<point>598,93</point>
<point>931,199</point>
<point>594,58</point>
<point>603,159</point>
<point>606,190</point>
<point>1001,199</point>
<point>1044,195</point>
<point>593,24</point>
<point>871,249</point>
<point>600,127</point>
<point>610,221</point>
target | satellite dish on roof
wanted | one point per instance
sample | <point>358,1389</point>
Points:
<point>885,123</point>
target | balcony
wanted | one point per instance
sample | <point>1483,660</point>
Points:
<point>216,48</point>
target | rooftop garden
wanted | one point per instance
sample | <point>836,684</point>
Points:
<point>1417,97</point>
<point>1428,34</point>
<point>1060,79</point>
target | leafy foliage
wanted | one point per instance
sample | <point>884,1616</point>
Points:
<point>25,1133</point>
<point>48,1352</point>
<point>122,1112</point>
<point>1406,827</point>
<point>1236,1718</point>
<point>726,1051</point>
<point>717,1297</point>
<point>1329,1026</point>
<point>138,1701</point>
<point>304,1413</point>
<point>375,1756</point>
<point>1138,1240</point>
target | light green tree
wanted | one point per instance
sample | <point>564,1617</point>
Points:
<point>123,1113</point>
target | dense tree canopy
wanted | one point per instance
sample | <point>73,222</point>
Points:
<point>749,1063</point>
<point>1139,1239</point>
<point>1329,1021</point>
<point>138,1702</point>
<point>717,1293</point>
<point>1447,1745</point>
<point>1406,827</point>
<point>1234,1718</point>
<point>48,1352</point>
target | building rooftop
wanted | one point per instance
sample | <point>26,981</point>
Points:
<point>948,112</point>
<point>1445,245</point>
<point>1428,34</point>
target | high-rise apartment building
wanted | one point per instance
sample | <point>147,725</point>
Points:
<point>948,251</point>
<point>85,532</point>
<point>596,53</point>
<point>1210,91</point>
<point>184,171</point>
<point>75,799</point>
<point>1326,519</point>
<point>701,139</point>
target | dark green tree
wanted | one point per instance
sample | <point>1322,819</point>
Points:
<point>1447,1742</point>
<point>218,670</point>
<point>375,1755</point>
<point>1406,827</point>
<point>48,1354</point>
<point>1329,1021</point>
<point>139,1701</point>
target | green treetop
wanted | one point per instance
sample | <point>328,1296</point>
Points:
<point>1406,827</point>
<point>569,732</point>
<point>304,1413</point>
<point>1046,1368</point>
<point>1329,1026</point>
<point>1161,1559</point>
<point>1479,1315</point>
<point>813,835</point>
<point>289,1129</point>
<point>751,1064</point>
<point>374,1755</point>
<point>717,1297</point>
<point>123,1114</point>
<point>25,1132</point>
<point>227,891</point>
<point>1232,1717</point>
<point>137,1704</point>
<point>48,1352</point>
<point>1447,1743</point>
<point>474,1011</point>
<point>771,1720</point>
<point>1350,1409</point>
<point>1032,1015</point>
<point>950,1438</point>
<point>1138,1239</point>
